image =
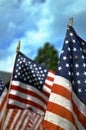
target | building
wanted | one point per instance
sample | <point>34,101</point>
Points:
<point>6,76</point>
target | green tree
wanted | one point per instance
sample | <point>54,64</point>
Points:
<point>47,56</point>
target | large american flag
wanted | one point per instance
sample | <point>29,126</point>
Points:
<point>67,103</point>
<point>30,86</point>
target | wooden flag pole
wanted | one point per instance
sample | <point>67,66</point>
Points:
<point>18,47</point>
<point>4,116</point>
<point>70,21</point>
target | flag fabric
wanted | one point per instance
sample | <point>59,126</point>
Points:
<point>2,86</point>
<point>35,122</point>
<point>3,99</point>
<point>66,108</point>
<point>31,85</point>
<point>3,103</point>
<point>17,119</point>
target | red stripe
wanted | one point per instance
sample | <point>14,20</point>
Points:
<point>80,116</point>
<point>60,90</point>
<point>25,101</point>
<point>50,126</point>
<point>21,124</point>
<point>62,111</point>
<point>49,78</point>
<point>51,71</point>
<point>28,92</point>
<point>67,94</point>
<point>13,114</point>
<point>3,102</point>
<point>17,120</point>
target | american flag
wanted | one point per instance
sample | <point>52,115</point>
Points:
<point>67,103</point>
<point>3,103</point>
<point>2,86</point>
<point>17,119</point>
<point>31,85</point>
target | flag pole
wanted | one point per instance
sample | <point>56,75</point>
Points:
<point>70,21</point>
<point>4,116</point>
<point>18,47</point>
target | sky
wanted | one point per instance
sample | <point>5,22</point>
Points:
<point>35,22</point>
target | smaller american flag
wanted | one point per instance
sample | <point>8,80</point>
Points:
<point>2,86</point>
<point>31,85</point>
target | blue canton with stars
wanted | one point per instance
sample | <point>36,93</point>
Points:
<point>29,72</point>
<point>72,64</point>
<point>2,86</point>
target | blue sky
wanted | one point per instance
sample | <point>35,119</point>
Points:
<point>35,22</point>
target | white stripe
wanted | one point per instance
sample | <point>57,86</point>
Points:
<point>48,82</point>
<point>58,120</point>
<point>23,105</point>
<point>38,123</point>
<point>21,119</point>
<point>7,118</point>
<point>28,97</point>
<point>64,102</point>
<point>63,82</point>
<point>45,88</point>
<point>28,87</point>
<point>80,105</point>
<point>25,122</point>
<point>4,94</point>
<point>66,84</point>
<point>50,74</point>
<point>14,120</point>
<point>58,99</point>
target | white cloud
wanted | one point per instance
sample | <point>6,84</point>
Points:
<point>34,24</point>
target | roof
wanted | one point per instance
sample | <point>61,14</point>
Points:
<point>6,76</point>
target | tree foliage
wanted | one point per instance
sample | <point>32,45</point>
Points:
<point>47,56</point>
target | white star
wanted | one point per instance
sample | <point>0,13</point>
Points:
<point>62,51</point>
<point>73,41</point>
<point>67,65</point>
<point>82,57</point>
<point>69,49</point>
<point>76,65</point>
<point>83,43</point>
<point>79,90</point>
<point>80,49</point>
<point>71,34</point>
<point>59,68</point>
<point>85,81</point>
<point>64,58</point>
<point>66,42</point>
<point>18,73</point>
<point>77,74</point>
<point>79,82</point>
<point>15,76</point>
<point>69,73</point>
<point>74,49</point>
<point>84,73</point>
<point>84,65</point>
<point>34,65</point>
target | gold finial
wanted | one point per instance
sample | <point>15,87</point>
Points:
<point>18,47</point>
<point>70,21</point>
